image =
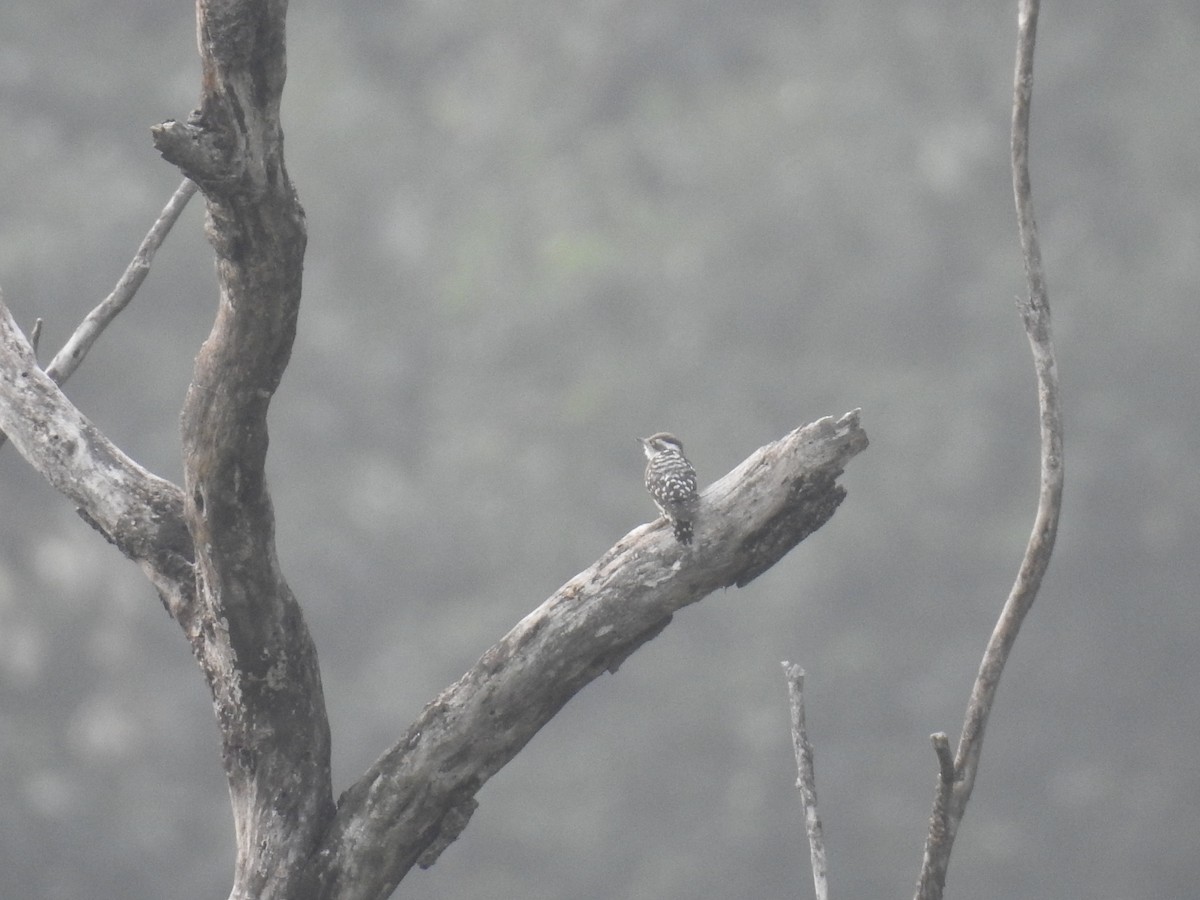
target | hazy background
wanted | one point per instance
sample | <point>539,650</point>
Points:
<point>538,230</point>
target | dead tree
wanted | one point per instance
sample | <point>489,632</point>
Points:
<point>208,546</point>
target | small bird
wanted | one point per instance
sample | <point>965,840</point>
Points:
<point>671,481</point>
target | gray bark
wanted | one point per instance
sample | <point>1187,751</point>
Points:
<point>209,546</point>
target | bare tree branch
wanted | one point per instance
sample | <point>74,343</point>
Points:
<point>211,546</point>
<point>952,794</point>
<point>420,795</point>
<point>806,781</point>
<point>67,360</point>
<point>423,788</point>
<point>941,747</point>
<point>138,512</point>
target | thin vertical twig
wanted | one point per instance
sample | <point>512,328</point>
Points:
<point>956,781</point>
<point>806,781</point>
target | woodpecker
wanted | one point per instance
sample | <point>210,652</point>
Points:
<point>671,481</point>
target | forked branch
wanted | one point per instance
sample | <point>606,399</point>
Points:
<point>956,781</point>
<point>212,543</point>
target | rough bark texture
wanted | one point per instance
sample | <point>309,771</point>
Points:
<point>209,547</point>
<point>249,633</point>
<point>420,793</point>
<point>250,640</point>
<point>140,513</point>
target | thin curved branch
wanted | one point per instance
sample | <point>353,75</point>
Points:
<point>67,360</point>
<point>419,795</point>
<point>953,793</point>
<point>1035,312</point>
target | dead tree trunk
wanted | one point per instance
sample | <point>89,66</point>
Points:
<point>209,550</point>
